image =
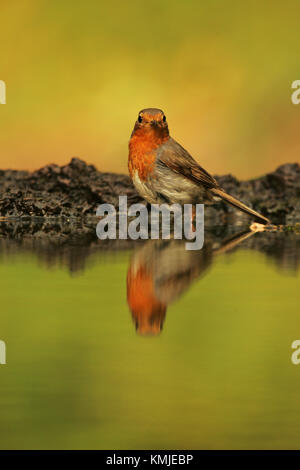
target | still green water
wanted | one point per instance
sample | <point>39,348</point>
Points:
<point>79,375</point>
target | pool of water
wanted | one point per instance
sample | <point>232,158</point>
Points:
<point>147,345</point>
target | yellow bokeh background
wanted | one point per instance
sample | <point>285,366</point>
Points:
<point>77,73</point>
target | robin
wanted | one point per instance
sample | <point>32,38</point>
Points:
<point>162,270</point>
<point>147,310</point>
<point>164,172</point>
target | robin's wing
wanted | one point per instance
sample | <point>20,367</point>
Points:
<point>173,156</point>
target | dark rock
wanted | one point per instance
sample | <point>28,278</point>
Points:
<point>75,191</point>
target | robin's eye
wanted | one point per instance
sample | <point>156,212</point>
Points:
<point>140,118</point>
<point>164,118</point>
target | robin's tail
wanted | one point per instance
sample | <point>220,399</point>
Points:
<point>234,202</point>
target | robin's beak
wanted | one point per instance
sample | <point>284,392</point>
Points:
<point>154,123</point>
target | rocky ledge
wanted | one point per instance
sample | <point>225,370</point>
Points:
<point>76,189</point>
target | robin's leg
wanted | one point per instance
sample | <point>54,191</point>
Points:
<point>193,228</point>
<point>190,222</point>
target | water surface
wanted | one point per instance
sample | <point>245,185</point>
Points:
<point>144,345</point>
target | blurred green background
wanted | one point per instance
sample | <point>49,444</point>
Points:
<point>78,72</point>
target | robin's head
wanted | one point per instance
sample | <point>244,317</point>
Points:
<point>152,120</point>
<point>150,325</point>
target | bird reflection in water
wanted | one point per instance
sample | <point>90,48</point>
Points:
<point>161,270</point>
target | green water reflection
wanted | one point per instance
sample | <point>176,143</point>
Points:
<point>218,375</point>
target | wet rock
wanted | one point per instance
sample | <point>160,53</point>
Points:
<point>75,190</point>
<point>275,194</point>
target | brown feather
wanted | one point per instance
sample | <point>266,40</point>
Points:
<point>184,164</point>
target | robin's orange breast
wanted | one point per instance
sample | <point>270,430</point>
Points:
<point>142,153</point>
<point>143,164</point>
<point>140,292</point>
